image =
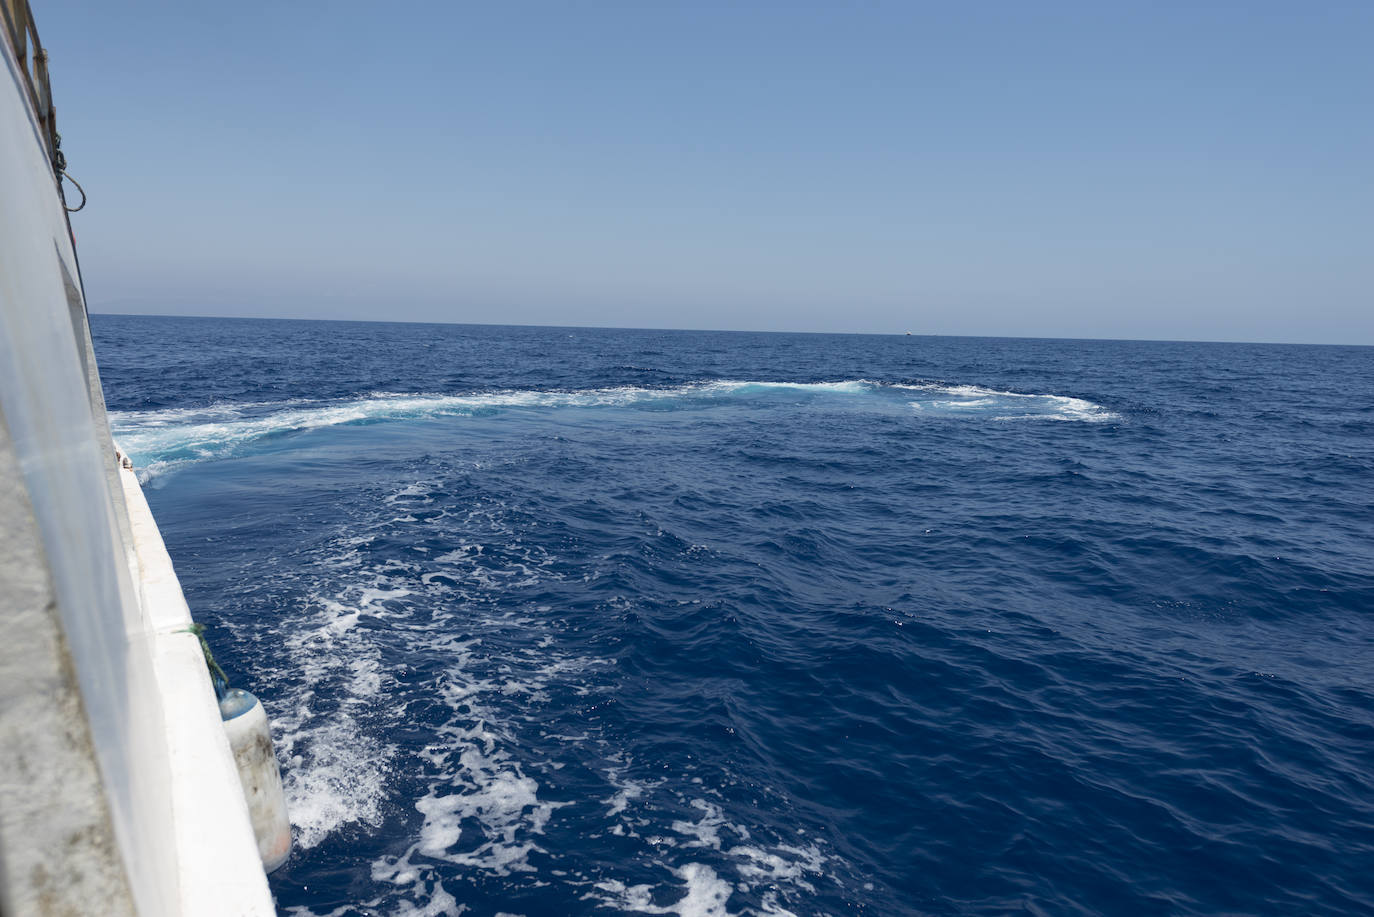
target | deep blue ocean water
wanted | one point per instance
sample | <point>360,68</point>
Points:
<point>559,621</point>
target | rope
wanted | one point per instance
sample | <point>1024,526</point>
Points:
<point>59,167</point>
<point>218,679</point>
<point>79,188</point>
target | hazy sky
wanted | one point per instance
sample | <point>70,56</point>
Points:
<point>1085,169</point>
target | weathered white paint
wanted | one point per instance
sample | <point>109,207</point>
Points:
<point>48,773</point>
<point>94,567</point>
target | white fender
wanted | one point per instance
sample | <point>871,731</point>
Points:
<point>245,722</point>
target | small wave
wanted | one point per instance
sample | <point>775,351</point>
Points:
<point>163,440</point>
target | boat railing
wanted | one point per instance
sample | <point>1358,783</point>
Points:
<point>33,66</point>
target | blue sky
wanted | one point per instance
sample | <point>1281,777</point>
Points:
<point>1077,169</point>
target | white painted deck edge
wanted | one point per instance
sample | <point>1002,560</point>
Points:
<point>220,871</point>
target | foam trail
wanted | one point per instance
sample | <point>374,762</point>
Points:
<point>706,894</point>
<point>1002,405</point>
<point>775,869</point>
<point>337,770</point>
<point>163,440</point>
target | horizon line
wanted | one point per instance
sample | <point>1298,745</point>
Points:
<point>590,327</point>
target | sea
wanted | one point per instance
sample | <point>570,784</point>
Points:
<point>577,621</point>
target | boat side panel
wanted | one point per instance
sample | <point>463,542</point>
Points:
<point>53,813</point>
<point>61,456</point>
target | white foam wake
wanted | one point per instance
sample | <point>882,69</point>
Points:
<point>1000,405</point>
<point>474,796</point>
<point>338,702</point>
<point>337,769</point>
<point>776,870</point>
<point>161,440</point>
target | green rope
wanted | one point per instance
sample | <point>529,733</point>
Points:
<point>215,671</point>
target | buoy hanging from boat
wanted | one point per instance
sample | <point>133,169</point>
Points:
<point>246,724</point>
